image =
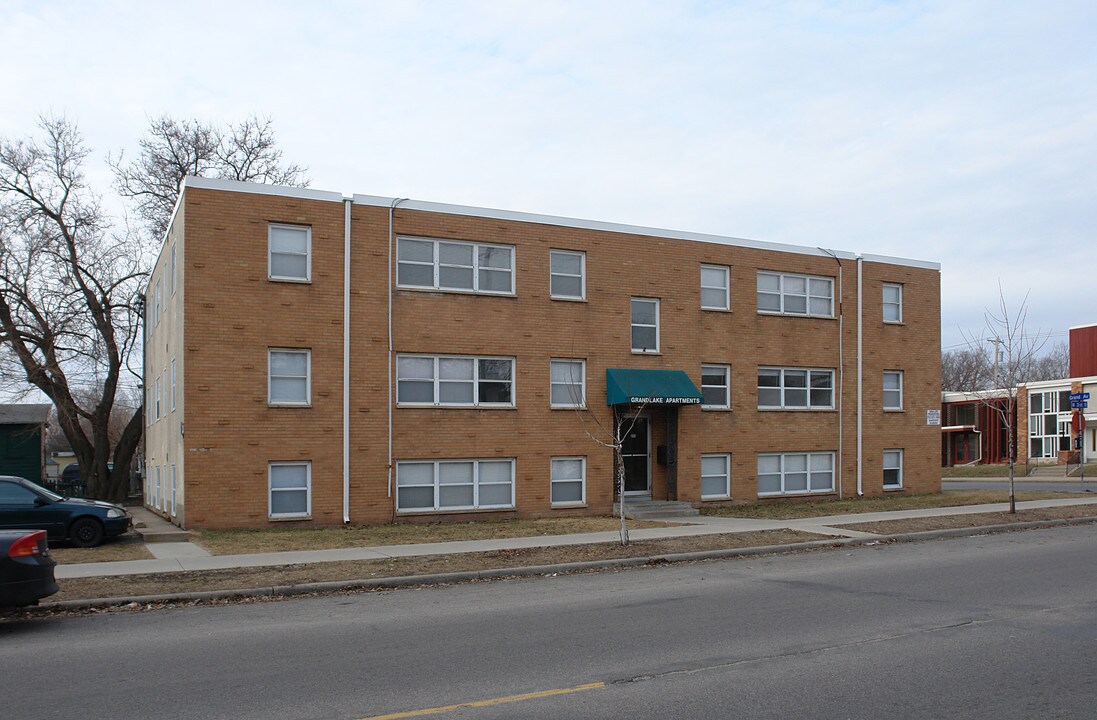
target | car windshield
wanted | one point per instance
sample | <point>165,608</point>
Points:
<point>38,488</point>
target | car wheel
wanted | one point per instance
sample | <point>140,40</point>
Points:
<point>86,533</point>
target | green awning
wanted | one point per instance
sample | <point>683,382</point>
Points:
<point>650,387</point>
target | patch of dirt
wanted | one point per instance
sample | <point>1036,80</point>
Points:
<point>126,547</point>
<point>181,582</point>
<point>948,522</point>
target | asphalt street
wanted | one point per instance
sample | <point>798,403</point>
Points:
<point>1000,626</point>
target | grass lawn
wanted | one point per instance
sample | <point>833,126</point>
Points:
<point>793,511</point>
<point>896,527</point>
<point>983,471</point>
<point>234,542</point>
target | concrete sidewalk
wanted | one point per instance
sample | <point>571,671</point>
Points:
<point>185,556</point>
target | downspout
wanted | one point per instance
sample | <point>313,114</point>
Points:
<point>347,204</point>
<point>841,369</point>
<point>860,372</point>
<point>391,379</point>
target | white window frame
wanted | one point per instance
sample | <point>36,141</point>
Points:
<point>436,485</point>
<point>582,384</point>
<point>633,325</point>
<point>725,288</point>
<point>892,391</point>
<point>308,377</point>
<point>898,454</point>
<point>726,370</point>
<point>896,304</point>
<point>783,388</point>
<point>476,380</point>
<point>783,294</point>
<point>726,457</point>
<point>582,480</point>
<point>307,464</point>
<point>307,229</point>
<point>173,265</point>
<point>156,494</point>
<point>1050,412</point>
<point>556,273</point>
<point>173,490</point>
<point>436,264</point>
<point>173,384</point>
<point>782,462</point>
<point>157,396</point>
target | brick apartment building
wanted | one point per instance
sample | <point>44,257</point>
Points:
<point>318,358</point>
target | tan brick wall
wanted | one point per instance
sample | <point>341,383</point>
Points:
<point>234,314</point>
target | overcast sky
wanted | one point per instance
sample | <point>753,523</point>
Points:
<point>959,132</point>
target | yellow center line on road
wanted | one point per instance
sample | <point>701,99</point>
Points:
<point>488,702</point>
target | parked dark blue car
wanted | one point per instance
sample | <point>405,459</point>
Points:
<point>84,523</point>
<point>26,568</point>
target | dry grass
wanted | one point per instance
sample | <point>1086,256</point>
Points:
<point>124,548</point>
<point>236,542</point>
<point>798,510</point>
<point>983,471</point>
<point>896,527</point>
<point>180,582</point>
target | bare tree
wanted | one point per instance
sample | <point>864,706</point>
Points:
<point>1054,365</point>
<point>68,289</point>
<point>70,281</point>
<point>966,370</point>
<point>173,149</point>
<point>1016,352</point>
<point>611,436</point>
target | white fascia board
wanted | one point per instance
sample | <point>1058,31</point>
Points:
<point>1082,327</point>
<point>889,260</point>
<point>1063,384</point>
<point>494,214</point>
<point>955,396</point>
<point>192,181</point>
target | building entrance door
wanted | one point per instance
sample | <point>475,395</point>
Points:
<point>636,453</point>
<point>963,449</point>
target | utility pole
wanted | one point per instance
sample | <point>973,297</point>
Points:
<point>997,358</point>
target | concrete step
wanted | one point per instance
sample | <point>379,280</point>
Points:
<point>643,509</point>
<point>161,536</point>
<point>1049,471</point>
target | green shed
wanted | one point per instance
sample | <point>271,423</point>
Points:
<point>21,430</point>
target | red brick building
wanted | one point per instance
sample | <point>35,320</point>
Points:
<point>325,359</point>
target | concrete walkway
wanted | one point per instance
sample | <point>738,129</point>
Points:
<point>183,556</point>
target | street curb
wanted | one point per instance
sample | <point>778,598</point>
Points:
<point>542,570</point>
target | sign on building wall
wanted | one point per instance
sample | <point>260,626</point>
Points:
<point>933,417</point>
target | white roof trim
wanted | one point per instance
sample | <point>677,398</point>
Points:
<point>890,260</point>
<point>1062,384</point>
<point>494,214</point>
<point>951,396</point>
<point>1080,327</point>
<point>261,189</point>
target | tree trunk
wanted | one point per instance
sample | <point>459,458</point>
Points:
<point>1012,497</point>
